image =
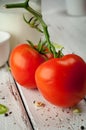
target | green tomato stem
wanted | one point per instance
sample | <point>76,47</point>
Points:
<point>26,6</point>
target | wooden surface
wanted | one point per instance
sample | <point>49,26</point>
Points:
<point>22,113</point>
<point>70,32</point>
<point>17,118</point>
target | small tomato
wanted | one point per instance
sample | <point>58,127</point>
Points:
<point>23,62</point>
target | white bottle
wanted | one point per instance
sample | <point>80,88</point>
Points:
<point>76,7</point>
<point>11,20</point>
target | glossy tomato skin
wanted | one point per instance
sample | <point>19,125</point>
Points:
<point>48,54</point>
<point>23,62</point>
<point>62,81</point>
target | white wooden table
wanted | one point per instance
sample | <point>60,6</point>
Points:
<point>70,32</point>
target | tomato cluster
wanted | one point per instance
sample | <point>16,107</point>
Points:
<point>62,81</point>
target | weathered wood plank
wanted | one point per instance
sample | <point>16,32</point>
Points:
<point>51,117</point>
<point>70,32</point>
<point>16,118</point>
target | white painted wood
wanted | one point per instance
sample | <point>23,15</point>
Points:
<point>9,96</point>
<point>51,117</point>
<point>70,32</point>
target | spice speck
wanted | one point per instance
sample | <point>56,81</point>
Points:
<point>82,127</point>
<point>6,114</point>
<point>39,104</point>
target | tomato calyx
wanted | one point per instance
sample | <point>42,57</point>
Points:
<point>40,47</point>
<point>43,49</point>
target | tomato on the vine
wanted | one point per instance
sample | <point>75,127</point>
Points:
<point>62,81</point>
<point>23,62</point>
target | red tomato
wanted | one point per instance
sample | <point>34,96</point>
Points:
<point>62,81</point>
<point>48,54</point>
<point>23,61</point>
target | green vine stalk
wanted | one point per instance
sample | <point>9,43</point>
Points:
<point>38,16</point>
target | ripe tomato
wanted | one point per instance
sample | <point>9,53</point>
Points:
<point>62,81</point>
<point>48,54</point>
<point>23,62</point>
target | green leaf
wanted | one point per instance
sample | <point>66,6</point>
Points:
<point>31,44</point>
<point>39,46</point>
<point>3,109</point>
<point>57,46</point>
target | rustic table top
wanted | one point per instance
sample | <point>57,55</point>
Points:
<point>70,32</point>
